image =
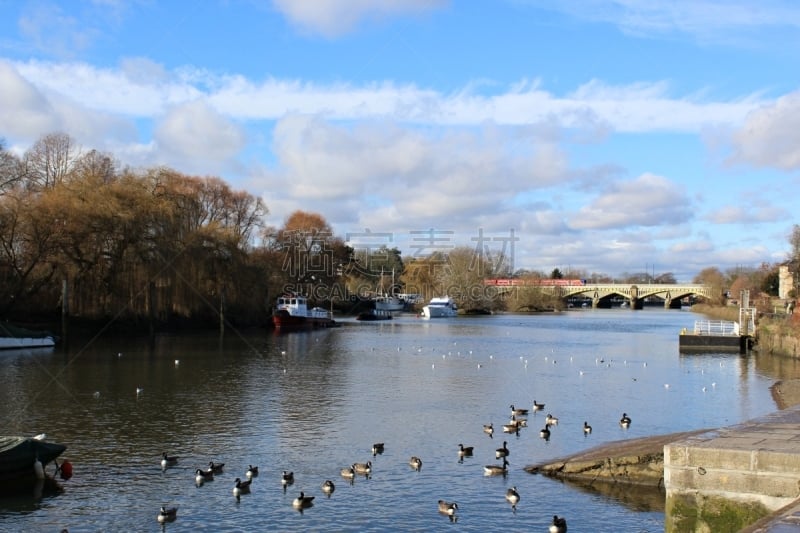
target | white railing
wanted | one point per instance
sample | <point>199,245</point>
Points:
<point>716,327</point>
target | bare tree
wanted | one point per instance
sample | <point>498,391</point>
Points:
<point>50,160</point>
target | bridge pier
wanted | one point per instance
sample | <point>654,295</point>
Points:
<point>637,303</point>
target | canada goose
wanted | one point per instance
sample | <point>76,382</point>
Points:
<point>465,451</point>
<point>252,471</point>
<point>201,476</point>
<point>328,487</point>
<point>167,514</point>
<point>537,406</point>
<point>545,432</point>
<point>625,421</point>
<point>495,470</point>
<point>287,478</point>
<point>377,448</point>
<point>513,497</point>
<point>488,429</point>
<point>515,411</point>
<point>499,453</point>
<point>511,428</point>
<point>448,508</point>
<point>348,472</point>
<point>363,468</point>
<point>168,460</point>
<point>551,420</point>
<point>303,501</point>
<point>241,487</point>
<point>559,525</point>
<point>415,462</point>
<point>587,429</point>
<point>215,467</point>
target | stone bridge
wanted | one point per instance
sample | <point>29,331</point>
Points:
<point>602,294</point>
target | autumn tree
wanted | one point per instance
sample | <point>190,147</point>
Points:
<point>712,276</point>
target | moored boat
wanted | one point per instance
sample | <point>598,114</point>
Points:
<point>374,314</point>
<point>292,312</point>
<point>14,337</point>
<point>19,456</point>
<point>440,308</point>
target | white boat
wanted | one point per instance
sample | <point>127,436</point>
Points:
<point>440,308</point>
<point>12,343</point>
<point>388,303</point>
<point>292,312</point>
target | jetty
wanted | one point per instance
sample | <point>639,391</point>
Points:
<point>738,478</point>
<point>722,335</point>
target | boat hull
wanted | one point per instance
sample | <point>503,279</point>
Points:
<point>15,343</point>
<point>18,455</point>
<point>283,320</point>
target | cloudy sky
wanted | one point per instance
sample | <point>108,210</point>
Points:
<point>610,136</point>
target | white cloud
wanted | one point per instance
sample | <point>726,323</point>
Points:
<point>649,200</point>
<point>768,137</point>
<point>24,112</point>
<point>336,17</point>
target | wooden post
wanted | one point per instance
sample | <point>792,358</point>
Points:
<point>64,310</point>
<point>221,311</point>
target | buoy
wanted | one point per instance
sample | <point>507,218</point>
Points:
<point>66,470</point>
<point>38,469</point>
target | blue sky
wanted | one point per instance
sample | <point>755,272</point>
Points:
<point>609,136</point>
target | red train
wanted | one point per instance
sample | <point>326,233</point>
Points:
<point>535,282</point>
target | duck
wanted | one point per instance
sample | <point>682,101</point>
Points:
<point>499,453</point>
<point>377,448</point>
<point>537,406</point>
<point>201,476</point>
<point>303,501</point>
<point>215,467</point>
<point>348,472</point>
<point>168,460</point>
<point>241,487</point>
<point>495,470</point>
<point>363,468</point>
<point>167,514</point>
<point>515,411</point>
<point>587,429</point>
<point>488,429</point>
<point>551,420</point>
<point>448,508</point>
<point>512,496</point>
<point>252,471</point>
<point>465,451</point>
<point>625,421</point>
<point>287,478</point>
<point>415,462</point>
<point>545,432</point>
<point>559,525</point>
<point>328,487</point>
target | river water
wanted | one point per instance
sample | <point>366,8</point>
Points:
<point>315,402</point>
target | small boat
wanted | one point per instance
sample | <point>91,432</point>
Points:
<point>292,312</point>
<point>26,457</point>
<point>443,307</point>
<point>15,337</point>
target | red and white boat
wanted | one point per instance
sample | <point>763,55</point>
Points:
<point>292,312</point>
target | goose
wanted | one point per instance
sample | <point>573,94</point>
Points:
<point>499,453</point>
<point>559,525</point>
<point>465,451</point>
<point>328,487</point>
<point>167,514</point>
<point>587,429</point>
<point>377,448</point>
<point>215,467</point>
<point>551,420</point>
<point>448,508</point>
<point>511,428</point>
<point>252,471</point>
<point>363,468</point>
<point>303,501</point>
<point>545,432</point>
<point>488,429</point>
<point>348,472</point>
<point>512,496</point>
<point>201,476</point>
<point>537,406</point>
<point>287,478</point>
<point>515,411</point>
<point>241,487</point>
<point>625,421</point>
<point>168,460</point>
<point>415,462</point>
<point>495,470</point>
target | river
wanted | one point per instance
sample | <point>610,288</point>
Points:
<point>315,402</point>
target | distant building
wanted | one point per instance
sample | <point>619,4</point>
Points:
<point>786,279</point>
